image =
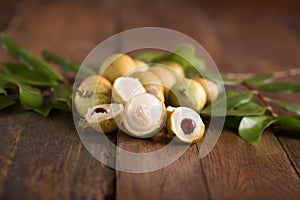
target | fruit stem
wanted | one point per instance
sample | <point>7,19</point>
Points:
<point>84,93</point>
<point>82,123</point>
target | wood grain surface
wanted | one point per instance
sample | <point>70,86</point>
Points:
<point>43,158</point>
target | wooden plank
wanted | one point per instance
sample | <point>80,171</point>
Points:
<point>290,142</point>
<point>183,179</point>
<point>237,169</point>
<point>43,158</point>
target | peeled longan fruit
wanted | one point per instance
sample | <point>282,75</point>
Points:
<point>185,124</point>
<point>125,88</point>
<point>144,115</point>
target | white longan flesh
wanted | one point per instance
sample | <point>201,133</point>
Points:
<point>104,111</point>
<point>127,87</point>
<point>144,115</point>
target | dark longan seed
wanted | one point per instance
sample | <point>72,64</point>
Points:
<point>100,110</point>
<point>188,125</point>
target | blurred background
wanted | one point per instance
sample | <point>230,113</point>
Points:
<point>239,35</point>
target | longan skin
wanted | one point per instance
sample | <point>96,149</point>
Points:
<point>94,79</point>
<point>188,93</point>
<point>116,66</point>
<point>151,82</point>
<point>210,88</point>
<point>100,95</point>
<point>176,67</point>
<point>167,76</point>
<point>108,124</point>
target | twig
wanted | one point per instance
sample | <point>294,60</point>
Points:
<point>287,73</point>
<point>277,74</point>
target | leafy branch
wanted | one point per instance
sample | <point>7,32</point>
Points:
<point>38,87</point>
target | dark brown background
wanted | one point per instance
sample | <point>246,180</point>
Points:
<point>43,158</point>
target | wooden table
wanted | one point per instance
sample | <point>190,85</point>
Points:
<point>43,158</point>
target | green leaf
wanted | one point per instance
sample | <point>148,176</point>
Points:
<point>259,79</point>
<point>17,72</point>
<point>49,105</point>
<point>290,122</point>
<point>238,99</point>
<point>3,79</point>
<point>186,51</point>
<point>287,87</point>
<point>62,62</point>
<point>148,56</point>
<point>29,59</point>
<point>67,64</point>
<point>30,97</point>
<point>195,68</point>
<point>183,55</point>
<point>63,106</point>
<point>5,102</point>
<point>248,109</point>
<point>230,81</point>
<point>287,106</point>
<point>232,100</point>
<point>251,127</point>
<point>232,122</point>
<point>3,91</point>
<point>62,92</point>
<point>60,100</point>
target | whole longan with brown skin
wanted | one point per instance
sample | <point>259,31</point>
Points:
<point>92,80</point>
<point>92,91</point>
<point>210,88</point>
<point>139,63</point>
<point>174,66</point>
<point>151,83</point>
<point>167,77</point>
<point>188,93</point>
<point>116,66</point>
